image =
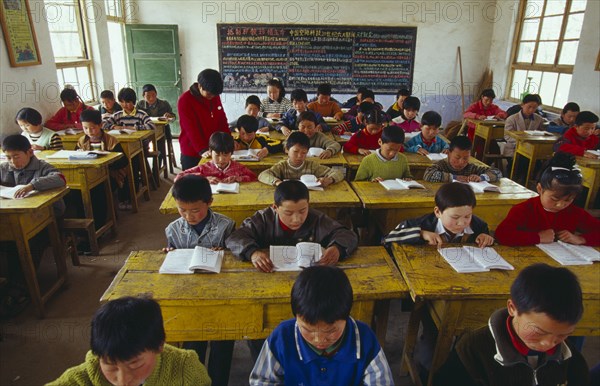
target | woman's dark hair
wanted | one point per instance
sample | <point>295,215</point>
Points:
<point>69,95</point>
<point>210,80</point>
<point>560,176</point>
<point>30,115</point>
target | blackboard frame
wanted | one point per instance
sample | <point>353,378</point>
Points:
<point>254,86</point>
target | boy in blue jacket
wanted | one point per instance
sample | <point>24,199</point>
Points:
<point>428,141</point>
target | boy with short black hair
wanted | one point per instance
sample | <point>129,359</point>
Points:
<point>355,124</point>
<point>221,168</point>
<point>108,104</point>
<point>155,107</point>
<point>252,108</point>
<point>387,162</point>
<point>566,120</point>
<point>355,99</point>
<point>308,124</point>
<point>289,221</point>
<point>452,221</point>
<point>323,344</point>
<point>395,110</point>
<point>297,165</point>
<point>289,122</point>
<point>246,127</point>
<point>324,105</point>
<point>524,344</point>
<point>526,119</point>
<point>130,117</point>
<point>581,138</point>
<point>128,347</point>
<point>457,166</point>
<point>368,96</point>
<point>428,141</point>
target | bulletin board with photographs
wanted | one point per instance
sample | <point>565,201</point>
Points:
<point>19,34</point>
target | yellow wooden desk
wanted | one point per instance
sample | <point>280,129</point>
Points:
<point>243,303</point>
<point>159,142</point>
<point>69,141</point>
<point>24,218</point>
<point>133,148</point>
<point>390,207</point>
<point>458,302</point>
<point>418,164</point>
<point>590,170</point>
<point>532,148</point>
<point>84,175</point>
<point>254,196</point>
<point>485,132</point>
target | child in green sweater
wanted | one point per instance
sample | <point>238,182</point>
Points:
<point>386,163</point>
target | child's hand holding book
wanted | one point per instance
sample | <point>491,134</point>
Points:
<point>330,256</point>
<point>484,240</point>
<point>568,237</point>
<point>261,261</point>
<point>432,238</point>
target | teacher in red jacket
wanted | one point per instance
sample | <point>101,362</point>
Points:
<point>200,114</point>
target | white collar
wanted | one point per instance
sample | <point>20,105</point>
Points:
<point>440,230</point>
<point>383,159</point>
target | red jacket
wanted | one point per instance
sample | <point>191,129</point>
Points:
<point>526,219</point>
<point>574,144</point>
<point>65,117</point>
<point>477,109</point>
<point>209,169</point>
<point>198,119</point>
<point>362,140</point>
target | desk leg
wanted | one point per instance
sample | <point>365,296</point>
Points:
<point>407,362</point>
<point>29,271</point>
<point>446,332</point>
<point>132,192</point>
<point>144,172</point>
<point>381,315</point>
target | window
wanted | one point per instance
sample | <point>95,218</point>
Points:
<point>546,43</point>
<point>115,16</point>
<point>70,46</point>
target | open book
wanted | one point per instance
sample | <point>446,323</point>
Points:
<point>9,192</point>
<point>330,120</point>
<point>400,184</point>
<point>121,131</point>
<point>294,258</point>
<point>245,155</point>
<point>77,154</point>
<point>474,259</point>
<point>437,156</point>
<point>314,152</point>
<point>222,187</point>
<point>570,254</point>
<point>491,118</point>
<point>311,182</point>
<point>537,132</point>
<point>70,131</point>
<point>184,261</point>
<point>481,186</point>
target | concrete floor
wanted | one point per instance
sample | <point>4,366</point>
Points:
<point>34,351</point>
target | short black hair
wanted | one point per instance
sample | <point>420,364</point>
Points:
<point>392,134</point>
<point>307,116</point>
<point>322,294</point>
<point>248,122</point>
<point>431,118</point>
<point>324,89</point>
<point>252,100</point>
<point>366,107</point>
<point>192,188</point>
<point>361,90</point>
<point>461,142</point>
<point>147,88</point>
<point>402,92</point>
<point>299,95</point>
<point>107,94</point>
<point>221,142</point>
<point>367,94</point>
<point>560,176</point>
<point>454,194</point>
<point>16,142</point>
<point>291,190</point>
<point>27,114</point>
<point>488,92</point>
<point>126,327</point>
<point>93,116</point>
<point>411,103</point>
<point>297,138</point>
<point>275,82</point>
<point>571,106</point>
<point>210,80</point>
<point>554,291</point>
<point>375,116</point>
<point>586,117</point>
<point>532,98</point>
<point>127,94</point>
<point>69,95</point>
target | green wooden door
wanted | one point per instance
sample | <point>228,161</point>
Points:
<point>153,55</point>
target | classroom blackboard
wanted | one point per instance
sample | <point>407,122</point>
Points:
<point>304,56</point>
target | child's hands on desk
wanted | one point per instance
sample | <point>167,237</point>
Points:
<point>326,154</point>
<point>262,153</point>
<point>37,147</point>
<point>568,237</point>
<point>285,131</point>
<point>472,177</point>
<point>214,180</point>
<point>484,240</point>
<point>588,154</point>
<point>364,151</point>
<point>330,256</point>
<point>546,236</point>
<point>261,261</point>
<point>23,191</point>
<point>432,238</point>
<point>325,181</point>
<point>264,129</point>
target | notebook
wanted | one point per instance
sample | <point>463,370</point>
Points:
<point>400,184</point>
<point>186,261</point>
<point>121,131</point>
<point>314,152</point>
<point>222,187</point>
<point>437,156</point>
<point>537,132</point>
<point>245,155</point>
<point>9,192</point>
<point>294,258</point>
<point>468,259</point>
<point>570,254</point>
<point>77,154</point>
<point>311,182</point>
<point>481,186</point>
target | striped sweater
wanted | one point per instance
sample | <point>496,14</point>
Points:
<point>284,171</point>
<point>46,138</point>
<point>138,120</point>
<point>443,172</point>
<point>269,106</point>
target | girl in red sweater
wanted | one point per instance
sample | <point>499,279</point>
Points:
<point>367,139</point>
<point>550,216</point>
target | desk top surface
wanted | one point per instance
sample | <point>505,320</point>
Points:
<point>485,122</point>
<point>33,202</point>
<point>65,163</point>
<point>593,163</point>
<point>256,196</point>
<point>135,136</point>
<point>371,271</point>
<point>429,276</point>
<point>373,195</point>
<point>527,137</point>
<point>272,159</point>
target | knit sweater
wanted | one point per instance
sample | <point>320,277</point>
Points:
<point>174,366</point>
<point>137,120</point>
<point>180,234</point>
<point>269,106</point>
<point>572,143</point>
<point>441,171</point>
<point>322,141</point>
<point>282,170</point>
<point>437,144</point>
<point>374,165</point>
<point>158,109</point>
<point>64,118</point>
<point>353,125</point>
<point>525,220</point>
<point>260,141</point>
<point>329,109</point>
<point>210,169</point>
<point>46,138</point>
<point>362,140</point>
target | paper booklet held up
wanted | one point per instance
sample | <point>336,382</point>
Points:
<point>400,184</point>
<point>311,182</point>
<point>294,258</point>
<point>314,152</point>
<point>186,261</point>
<point>481,186</point>
<point>570,254</point>
<point>9,192</point>
<point>437,156</point>
<point>222,187</point>
<point>245,155</point>
<point>468,259</point>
